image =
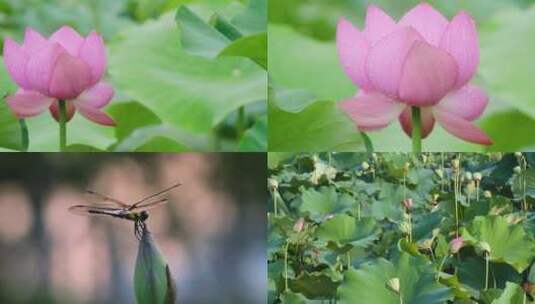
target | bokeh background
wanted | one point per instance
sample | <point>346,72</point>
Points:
<point>212,231</point>
<point>307,79</point>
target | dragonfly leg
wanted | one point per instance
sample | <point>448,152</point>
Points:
<point>137,230</point>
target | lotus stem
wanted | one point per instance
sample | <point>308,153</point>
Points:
<point>442,168</point>
<point>456,185</point>
<point>477,191</point>
<point>486,270</point>
<point>410,227</point>
<point>416,130</point>
<point>286,266</point>
<point>524,185</point>
<point>240,122</point>
<point>25,139</point>
<point>275,208</point>
<point>367,142</point>
<point>440,267</point>
<point>62,125</point>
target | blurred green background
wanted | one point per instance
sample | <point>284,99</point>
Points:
<point>306,79</point>
<point>212,232</point>
<point>168,98</point>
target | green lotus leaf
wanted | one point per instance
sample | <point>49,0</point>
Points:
<point>417,283</point>
<point>508,242</point>
<point>322,203</point>
<point>344,229</point>
<point>512,294</point>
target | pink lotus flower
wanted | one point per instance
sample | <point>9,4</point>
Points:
<point>66,66</point>
<point>423,61</point>
<point>456,244</point>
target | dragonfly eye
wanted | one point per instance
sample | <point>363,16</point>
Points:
<point>144,215</point>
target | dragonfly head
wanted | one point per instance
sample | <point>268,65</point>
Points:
<point>144,215</point>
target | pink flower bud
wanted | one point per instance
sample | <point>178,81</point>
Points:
<point>423,60</point>
<point>65,66</point>
<point>456,244</point>
<point>299,225</point>
<point>407,203</point>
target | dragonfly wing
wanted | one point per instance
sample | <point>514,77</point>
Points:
<point>149,205</point>
<point>93,197</point>
<point>154,197</point>
<point>97,210</point>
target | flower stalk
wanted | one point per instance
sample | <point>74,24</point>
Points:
<point>240,122</point>
<point>416,130</point>
<point>62,125</point>
<point>367,142</point>
<point>25,138</point>
<point>286,266</point>
<point>486,270</point>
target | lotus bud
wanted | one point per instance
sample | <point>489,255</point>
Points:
<point>365,166</point>
<point>487,194</point>
<point>407,203</point>
<point>153,282</point>
<point>456,244</point>
<point>424,158</point>
<point>440,173</point>
<point>477,176</point>
<point>455,163</point>
<point>517,170</point>
<point>374,156</point>
<point>394,285</point>
<point>435,197</point>
<point>518,155</point>
<point>406,167</point>
<point>299,225</point>
<point>529,288</point>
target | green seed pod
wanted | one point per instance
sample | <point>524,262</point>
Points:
<point>273,184</point>
<point>468,175</point>
<point>153,282</point>
<point>484,246</point>
<point>393,284</point>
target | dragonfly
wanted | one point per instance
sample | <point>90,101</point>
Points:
<point>103,205</point>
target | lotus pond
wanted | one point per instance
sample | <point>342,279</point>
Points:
<point>401,228</point>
